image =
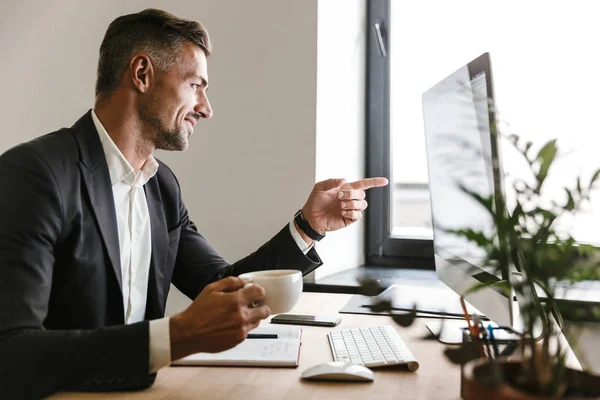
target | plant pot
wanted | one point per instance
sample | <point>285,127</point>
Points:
<point>581,385</point>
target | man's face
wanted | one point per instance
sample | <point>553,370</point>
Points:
<point>177,100</point>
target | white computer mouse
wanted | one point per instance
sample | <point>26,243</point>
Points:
<point>338,371</point>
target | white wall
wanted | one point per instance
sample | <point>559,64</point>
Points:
<point>253,164</point>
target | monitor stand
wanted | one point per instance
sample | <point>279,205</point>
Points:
<point>447,331</point>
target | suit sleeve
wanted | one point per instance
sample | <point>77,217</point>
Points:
<point>198,264</point>
<point>35,362</point>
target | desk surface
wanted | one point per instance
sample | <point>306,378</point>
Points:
<point>436,378</point>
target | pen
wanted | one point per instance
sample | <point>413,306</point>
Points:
<point>475,321</point>
<point>474,331</point>
<point>464,307</point>
<point>486,339</point>
<point>262,336</point>
<point>493,340</point>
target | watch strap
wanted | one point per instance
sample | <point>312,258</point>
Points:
<point>306,228</point>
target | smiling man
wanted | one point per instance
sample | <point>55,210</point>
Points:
<point>93,229</point>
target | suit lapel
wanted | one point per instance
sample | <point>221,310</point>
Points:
<point>158,226</point>
<point>97,182</point>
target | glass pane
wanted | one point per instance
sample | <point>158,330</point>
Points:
<point>545,71</point>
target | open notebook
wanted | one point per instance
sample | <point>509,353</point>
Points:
<point>281,352</point>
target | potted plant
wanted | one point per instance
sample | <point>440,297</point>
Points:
<point>527,239</point>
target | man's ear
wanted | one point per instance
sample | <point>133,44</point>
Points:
<point>141,72</point>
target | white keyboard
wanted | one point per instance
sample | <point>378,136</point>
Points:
<point>371,346</point>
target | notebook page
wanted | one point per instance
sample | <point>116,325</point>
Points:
<point>284,332</point>
<point>255,352</point>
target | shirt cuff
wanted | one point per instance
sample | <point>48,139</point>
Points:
<point>160,344</point>
<point>298,239</point>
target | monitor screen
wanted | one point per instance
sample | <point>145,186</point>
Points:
<point>460,154</point>
<point>463,156</point>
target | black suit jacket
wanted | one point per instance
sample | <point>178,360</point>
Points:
<point>61,305</point>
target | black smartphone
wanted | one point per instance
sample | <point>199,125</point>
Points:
<point>295,319</point>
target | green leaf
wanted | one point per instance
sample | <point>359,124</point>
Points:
<point>594,177</point>
<point>405,319</point>
<point>466,352</point>
<point>381,306</point>
<point>570,206</point>
<point>546,157</point>
<point>514,139</point>
<point>516,214</point>
<point>486,202</point>
<point>528,146</point>
<point>369,286</point>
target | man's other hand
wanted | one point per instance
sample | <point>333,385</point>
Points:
<point>218,319</point>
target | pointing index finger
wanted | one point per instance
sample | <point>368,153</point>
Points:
<point>368,183</point>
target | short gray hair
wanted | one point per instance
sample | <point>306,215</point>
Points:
<point>154,32</point>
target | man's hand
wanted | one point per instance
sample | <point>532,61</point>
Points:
<point>218,319</point>
<point>334,204</point>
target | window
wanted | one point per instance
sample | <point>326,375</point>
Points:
<point>545,66</point>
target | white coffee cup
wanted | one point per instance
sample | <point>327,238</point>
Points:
<point>282,287</point>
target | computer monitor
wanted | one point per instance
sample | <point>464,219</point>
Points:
<point>463,150</point>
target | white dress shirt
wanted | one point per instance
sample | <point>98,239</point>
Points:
<point>135,242</point>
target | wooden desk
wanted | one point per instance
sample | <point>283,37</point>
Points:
<point>435,379</point>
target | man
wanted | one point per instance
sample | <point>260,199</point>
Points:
<point>93,229</point>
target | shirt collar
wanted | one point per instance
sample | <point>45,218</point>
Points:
<point>118,167</point>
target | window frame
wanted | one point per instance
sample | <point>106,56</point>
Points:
<point>381,248</point>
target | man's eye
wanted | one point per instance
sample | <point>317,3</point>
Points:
<point>195,86</point>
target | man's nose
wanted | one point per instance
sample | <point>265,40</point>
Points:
<point>203,108</point>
